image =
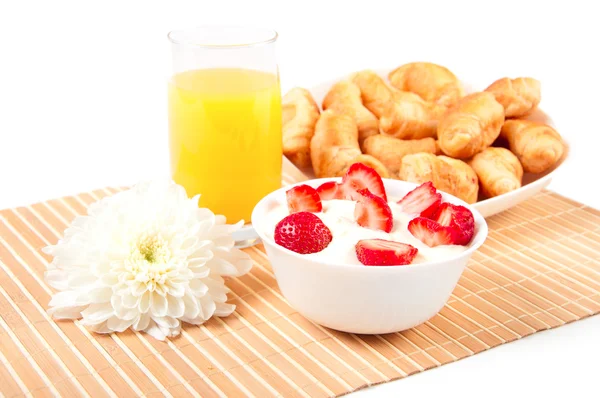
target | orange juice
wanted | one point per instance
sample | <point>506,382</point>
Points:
<point>225,137</point>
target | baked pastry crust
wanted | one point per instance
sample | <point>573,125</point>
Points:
<point>519,96</point>
<point>344,97</point>
<point>401,114</point>
<point>449,175</point>
<point>432,82</point>
<point>470,126</point>
<point>300,113</point>
<point>538,146</point>
<point>499,171</point>
<point>390,150</point>
<point>334,147</point>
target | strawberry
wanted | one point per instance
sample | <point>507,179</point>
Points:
<point>423,200</point>
<point>302,233</point>
<point>384,252</point>
<point>330,190</point>
<point>303,198</point>
<point>459,219</point>
<point>373,212</point>
<point>360,177</point>
<point>430,232</point>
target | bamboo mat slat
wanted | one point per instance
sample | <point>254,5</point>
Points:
<point>539,269</point>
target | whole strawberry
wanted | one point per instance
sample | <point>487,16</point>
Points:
<point>302,233</point>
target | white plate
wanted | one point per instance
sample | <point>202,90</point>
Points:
<point>532,183</point>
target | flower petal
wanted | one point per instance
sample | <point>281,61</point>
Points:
<point>192,306</point>
<point>224,309</point>
<point>100,295</point>
<point>239,259</point>
<point>222,267</point>
<point>138,288</point>
<point>79,279</point>
<point>110,279</point>
<point>167,322</point>
<point>216,289</point>
<point>96,314</point>
<point>66,312</point>
<point>176,289</point>
<point>175,306</point>
<point>189,243</point>
<point>100,328</point>
<point>208,307</point>
<point>158,305</point>
<point>155,331</point>
<point>200,272</point>
<point>63,299</point>
<point>198,288</point>
<point>57,278</point>
<point>130,301</point>
<point>145,303</point>
<point>118,325</point>
<point>141,322</point>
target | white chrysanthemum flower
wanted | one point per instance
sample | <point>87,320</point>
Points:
<point>148,259</point>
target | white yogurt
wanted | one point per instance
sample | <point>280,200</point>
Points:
<point>338,215</point>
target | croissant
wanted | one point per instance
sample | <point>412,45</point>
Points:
<point>470,126</point>
<point>390,150</point>
<point>401,114</point>
<point>344,97</point>
<point>499,171</point>
<point>410,117</point>
<point>464,178</point>
<point>432,82</point>
<point>537,145</point>
<point>446,174</point>
<point>519,97</point>
<point>300,113</point>
<point>334,147</point>
<point>376,95</point>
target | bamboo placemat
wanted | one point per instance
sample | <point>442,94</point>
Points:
<point>539,269</point>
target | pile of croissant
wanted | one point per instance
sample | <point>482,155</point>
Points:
<point>420,126</point>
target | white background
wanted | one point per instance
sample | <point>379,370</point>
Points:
<point>83,105</point>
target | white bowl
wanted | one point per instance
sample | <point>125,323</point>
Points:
<point>532,183</point>
<point>364,299</point>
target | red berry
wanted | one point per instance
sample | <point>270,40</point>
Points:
<point>330,190</point>
<point>430,232</point>
<point>459,219</point>
<point>384,252</point>
<point>360,177</point>
<point>373,212</point>
<point>302,233</point>
<point>423,200</point>
<point>303,198</point>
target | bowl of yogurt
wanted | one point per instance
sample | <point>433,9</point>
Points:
<point>334,289</point>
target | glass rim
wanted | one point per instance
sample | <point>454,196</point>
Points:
<point>270,37</point>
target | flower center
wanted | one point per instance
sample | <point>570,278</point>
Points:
<point>149,261</point>
<point>148,248</point>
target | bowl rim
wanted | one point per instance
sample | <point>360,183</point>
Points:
<point>478,239</point>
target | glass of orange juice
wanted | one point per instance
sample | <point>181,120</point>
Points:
<point>225,117</point>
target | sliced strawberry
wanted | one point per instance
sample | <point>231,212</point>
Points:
<point>459,219</point>
<point>384,252</point>
<point>423,200</point>
<point>360,177</point>
<point>430,232</point>
<point>373,212</point>
<point>303,198</point>
<point>302,233</point>
<point>330,190</point>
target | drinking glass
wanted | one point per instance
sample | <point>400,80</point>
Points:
<point>225,117</point>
